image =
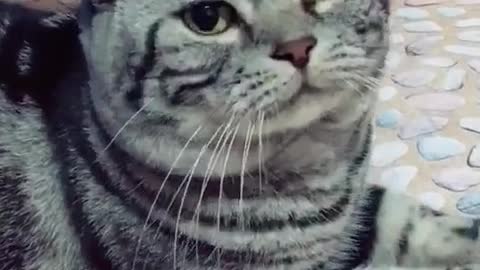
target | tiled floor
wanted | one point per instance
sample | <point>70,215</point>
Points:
<point>428,122</point>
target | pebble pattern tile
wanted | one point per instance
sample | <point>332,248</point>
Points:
<point>427,138</point>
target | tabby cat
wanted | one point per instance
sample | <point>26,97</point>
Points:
<point>203,134</point>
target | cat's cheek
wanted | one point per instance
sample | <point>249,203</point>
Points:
<point>315,78</point>
<point>286,83</point>
<point>317,81</point>
<point>290,86</point>
<point>276,83</point>
<point>270,96</point>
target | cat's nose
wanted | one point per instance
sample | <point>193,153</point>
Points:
<point>296,51</point>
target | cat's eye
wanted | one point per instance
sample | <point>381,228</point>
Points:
<point>209,17</point>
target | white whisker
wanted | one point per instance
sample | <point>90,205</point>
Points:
<point>220,195</point>
<point>190,177</point>
<point>214,157</point>
<point>248,139</point>
<point>355,88</point>
<point>157,196</point>
<point>208,174</point>
<point>128,122</point>
<point>260,152</point>
<point>172,201</point>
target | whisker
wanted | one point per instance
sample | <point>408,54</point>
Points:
<point>157,196</point>
<point>210,167</point>
<point>210,142</point>
<point>355,88</point>
<point>128,122</point>
<point>248,139</point>
<point>267,141</point>
<point>190,177</point>
<point>355,80</point>
<point>214,157</point>
<point>186,179</point>
<point>220,195</point>
<point>260,152</point>
<point>371,82</point>
<point>276,108</point>
<point>172,201</point>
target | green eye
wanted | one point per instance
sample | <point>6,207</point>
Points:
<point>209,17</point>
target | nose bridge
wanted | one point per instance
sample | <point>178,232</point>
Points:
<point>287,28</point>
<point>283,20</point>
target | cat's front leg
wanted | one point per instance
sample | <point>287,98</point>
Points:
<point>413,236</point>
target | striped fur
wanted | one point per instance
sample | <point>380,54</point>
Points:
<point>75,193</point>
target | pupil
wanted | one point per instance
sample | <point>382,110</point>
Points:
<point>206,17</point>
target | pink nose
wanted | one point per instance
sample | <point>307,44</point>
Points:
<point>296,52</point>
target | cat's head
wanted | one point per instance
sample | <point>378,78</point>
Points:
<point>168,67</point>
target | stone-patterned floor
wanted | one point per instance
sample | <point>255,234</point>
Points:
<point>428,122</point>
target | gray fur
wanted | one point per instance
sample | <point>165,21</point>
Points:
<point>24,145</point>
<point>166,155</point>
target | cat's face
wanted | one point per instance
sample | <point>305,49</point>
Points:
<point>176,65</point>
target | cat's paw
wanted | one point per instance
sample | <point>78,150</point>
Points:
<point>443,240</point>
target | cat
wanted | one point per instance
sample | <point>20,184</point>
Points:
<point>207,134</point>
